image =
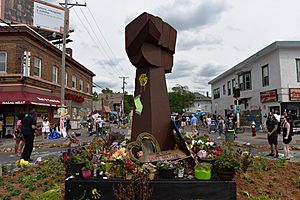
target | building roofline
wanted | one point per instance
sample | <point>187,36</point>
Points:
<point>24,29</point>
<point>274,46</point>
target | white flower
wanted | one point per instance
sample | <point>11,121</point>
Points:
<point>193,142</point>
<point>209,143</point>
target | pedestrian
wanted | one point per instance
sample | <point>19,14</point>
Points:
<point>271,125</point>
<point>28,129</point>
<point>99,125</point>
<point>1,128</point>
<point>221,125</point>
<point>287,131</point>
<point>194,121</point>
<point>18,136</point>
<point>208,123</point>
<point>45,128</point>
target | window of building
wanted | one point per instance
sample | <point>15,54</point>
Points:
<point>229,88</point>
<point>55,74</point>
<point>80,84</point>
<point>88,88</point>
<point>216,93</point>
<point>233,84</point>
<point>74,82</point>
<point>3,61</point>
<point>37,67</point>
<point>224,90</point>
<point>26,63</point>
<point>298,69</point>
<point>245,81</point>
<point>66,81</point>
<point>265,75</point>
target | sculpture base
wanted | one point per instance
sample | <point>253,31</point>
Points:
<point>162,189</point>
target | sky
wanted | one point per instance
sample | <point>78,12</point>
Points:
<point>212,36</point>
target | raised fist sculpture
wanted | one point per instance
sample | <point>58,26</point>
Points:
<point>150,45</point>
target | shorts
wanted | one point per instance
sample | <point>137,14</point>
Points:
<point>273,138</point>
<point>45,129</point>
<point>287,141</point>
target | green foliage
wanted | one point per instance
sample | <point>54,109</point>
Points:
<point>228,159</point>
<point>262,197</point>
<point>297,182</point>
<point>25,195</point>
<point>95,96</point>
<point>106,91</point>
<point>1,181</point>
<point>53,194</point>
<point>128,103</point>
<point>281,163</point>
<point>9,186</point>
<point>180,98</point>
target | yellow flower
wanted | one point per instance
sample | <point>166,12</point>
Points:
<point>245,153</point>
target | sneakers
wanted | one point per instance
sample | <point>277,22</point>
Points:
<point>271,154</point>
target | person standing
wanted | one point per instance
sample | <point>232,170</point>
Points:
<point>28,129</point>
<point>18,136</point>
<point>1,128</point>
<point>221,125</point>
<point>45,128</point>
<point>272,125</point>
<point>287,137</point>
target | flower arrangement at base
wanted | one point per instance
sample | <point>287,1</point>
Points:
<point>150,169</point>
<point>226,165</point>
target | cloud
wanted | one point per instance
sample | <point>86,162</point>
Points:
<point>181,69</point>
<point>210,70</point>
<point>110,62</point>
<point>105,82</point>
<point>190,41</point>
<point>188,15</point>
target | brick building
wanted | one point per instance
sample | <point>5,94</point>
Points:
<point>30,77</point>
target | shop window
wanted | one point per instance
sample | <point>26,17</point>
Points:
<point>26,63</point>
<point>265,75</point>
<point>298,69</point>
<point>74,82</point>
<point>229,87</point>
<point>80,84</point>
<point>55,74</point>
<point>37,67</point>
<point>3,61</point>
<point>245,81</point>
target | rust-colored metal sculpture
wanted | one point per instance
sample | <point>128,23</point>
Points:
<point>150,45</point>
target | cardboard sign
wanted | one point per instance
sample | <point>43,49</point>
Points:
<point>163,155</point>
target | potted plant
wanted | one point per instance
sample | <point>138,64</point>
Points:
<point>129,167</point>
<point>166,169</point>
<point>75,161</point>
<point>202,171</point>
<point>87,170</point>
<point>180,169</point>
<point>226,165</point>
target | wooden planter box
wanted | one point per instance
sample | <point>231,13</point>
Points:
<point>162,189</point>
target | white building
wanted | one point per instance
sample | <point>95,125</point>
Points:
<point>201,104</point>
<point>269,81</point>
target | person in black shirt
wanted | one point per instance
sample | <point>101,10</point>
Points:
<point>272,125</point>
<point>28,129</point>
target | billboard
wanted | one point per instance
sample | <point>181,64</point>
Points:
<point>34,13</point>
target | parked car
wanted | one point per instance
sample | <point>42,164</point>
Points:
<point>296,126</point>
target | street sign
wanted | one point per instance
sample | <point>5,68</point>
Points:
<point>237,109</point>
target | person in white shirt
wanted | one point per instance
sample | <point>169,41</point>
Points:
<point>99,125</point>
<point>45,128</point>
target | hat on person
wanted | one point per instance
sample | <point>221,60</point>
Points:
<point>32,112</point>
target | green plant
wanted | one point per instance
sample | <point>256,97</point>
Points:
<point>204,165</point>
<point>281,163</point>
<point>263,163</point>
<point>15,192</point>
<point>52,194</point>
<point>262,197</point>
<point>9,186</point>
<point>227,161</point>
<point>246,160</point>
<point>297,182</point>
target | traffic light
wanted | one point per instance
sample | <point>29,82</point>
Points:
<point>236,92</point>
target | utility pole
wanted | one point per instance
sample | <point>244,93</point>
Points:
<point>63,63</point>
<point>123,87</point>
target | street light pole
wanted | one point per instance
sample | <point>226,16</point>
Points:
<point>63,64</point>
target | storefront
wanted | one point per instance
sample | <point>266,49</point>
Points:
<point>15,104</point>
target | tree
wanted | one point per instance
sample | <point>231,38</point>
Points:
<point>107,91</point>
<point>95,96</point>
<point>180,98</point>
<point>128,103</point>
